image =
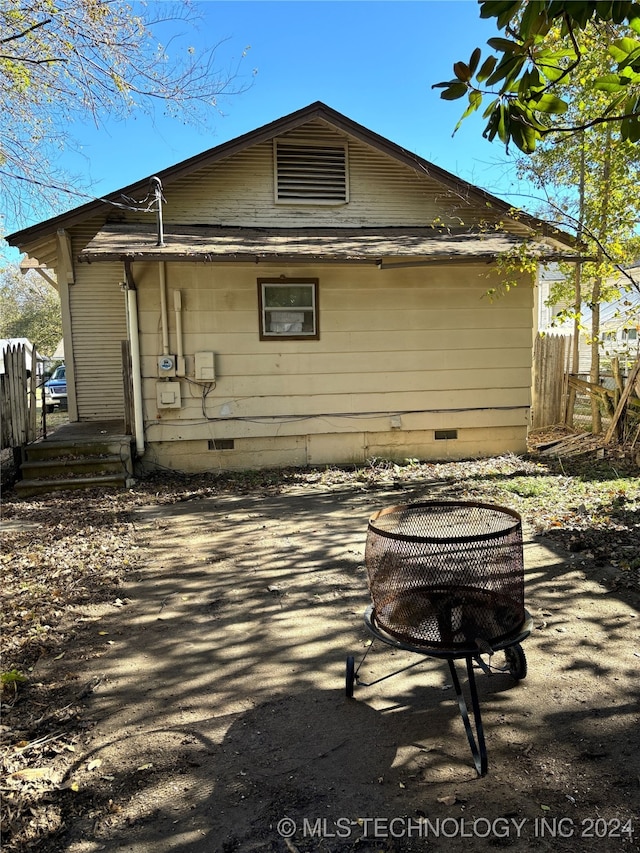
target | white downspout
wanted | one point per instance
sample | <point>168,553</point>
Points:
<point>136,367</point>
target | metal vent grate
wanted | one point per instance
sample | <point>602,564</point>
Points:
<point>311,174</point>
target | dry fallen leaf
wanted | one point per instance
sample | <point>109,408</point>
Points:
<point>450,800</point>
<point>30,773</point>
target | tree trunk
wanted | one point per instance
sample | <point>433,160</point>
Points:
<point>596,293</point>
<point>596,416</point>
<point>577,297</point>
<point>575,344</point>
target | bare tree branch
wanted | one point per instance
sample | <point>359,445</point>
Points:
<point>26,32</point>
<point>101,59</point>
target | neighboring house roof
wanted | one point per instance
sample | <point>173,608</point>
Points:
<point>618,313</point>
<point>135,240</point>
<point>623,313</point>
<point>6,343</point>
<point>29,238</point>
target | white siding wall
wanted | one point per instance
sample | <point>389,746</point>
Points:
<point>99,325</point>
<point>421,344</point>
<point>240,191</point>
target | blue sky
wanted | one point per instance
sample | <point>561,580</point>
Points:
<point>373,61</point>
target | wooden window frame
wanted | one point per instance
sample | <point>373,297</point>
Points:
<point>295,336</point>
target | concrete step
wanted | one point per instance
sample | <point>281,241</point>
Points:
<point>73,466</point>
<point>74,448</point>
<point>26,488</point>
<point>83,462</point>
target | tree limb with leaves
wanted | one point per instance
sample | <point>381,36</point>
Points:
<point>531,71</point>
<point>61,60</point>
<point>29,308</point>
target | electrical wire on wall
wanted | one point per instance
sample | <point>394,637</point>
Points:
<point>284,419</point>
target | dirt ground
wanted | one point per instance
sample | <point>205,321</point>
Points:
<point>209,693</point>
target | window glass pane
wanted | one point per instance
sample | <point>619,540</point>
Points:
<point>289,322</point>
<point>288,296</point>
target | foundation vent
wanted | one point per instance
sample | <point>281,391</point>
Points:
<point>445,434</point>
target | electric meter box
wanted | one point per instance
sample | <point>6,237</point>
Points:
<point>205,366</point>
<point>166,365</point>
<point>168,395</point>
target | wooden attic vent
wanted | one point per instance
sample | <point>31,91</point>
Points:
<point>311,174</point>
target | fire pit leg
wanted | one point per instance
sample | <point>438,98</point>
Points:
<point>476,742</point>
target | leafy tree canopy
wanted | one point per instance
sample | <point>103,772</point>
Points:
<point>29,308</point>
<point>61,60</point>
<point>527,77</point>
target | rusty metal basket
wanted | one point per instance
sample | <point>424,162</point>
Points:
<point>446,579</point>
<point>446,575</point>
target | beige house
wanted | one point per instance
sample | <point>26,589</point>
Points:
<point>308,293</point>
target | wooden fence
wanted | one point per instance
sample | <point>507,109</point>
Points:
<point>561,398</point>
<point>18,417</point>
<point>549,394</point>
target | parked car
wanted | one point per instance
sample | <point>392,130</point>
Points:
<point>55,389</point>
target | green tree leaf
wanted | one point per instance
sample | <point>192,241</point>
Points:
<point>625,49</point>
<point>487,67</point>
<point>609,83</point>
<point>462,71</point>
<point>503,10</point>
<point>474,60</point>
<point>548,103</point>
<point>504,45</point>
<point>454,91</point>
<point>506,70</point>
<point>475,99</point>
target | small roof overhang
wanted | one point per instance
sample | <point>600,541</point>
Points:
<point>139,242</point>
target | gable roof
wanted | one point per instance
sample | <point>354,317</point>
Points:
<point>267,132</point>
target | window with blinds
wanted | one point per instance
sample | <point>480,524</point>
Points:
<point>310,174</point>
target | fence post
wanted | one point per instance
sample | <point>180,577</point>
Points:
<point>548,381</point>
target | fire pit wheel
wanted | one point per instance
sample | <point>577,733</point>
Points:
<point>516,662</point>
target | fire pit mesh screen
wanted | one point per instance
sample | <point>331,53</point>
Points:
<point>446,575</point>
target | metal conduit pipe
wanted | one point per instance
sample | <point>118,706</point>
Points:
<point>162,272</point>
<point>136,366</point>
<point>177,305</point>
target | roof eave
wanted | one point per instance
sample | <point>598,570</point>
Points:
<point>385,262</point>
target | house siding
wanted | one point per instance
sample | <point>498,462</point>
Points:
<point>97,306</point>
<point>240,191</point>
<point>424,345</point>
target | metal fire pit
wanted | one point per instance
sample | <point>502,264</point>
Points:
<point>447,580</point>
